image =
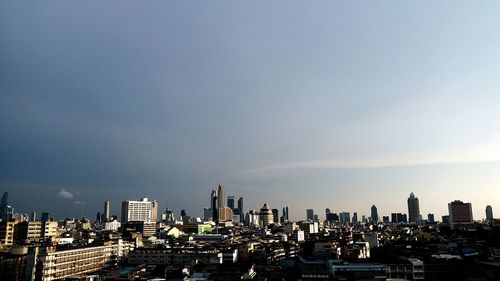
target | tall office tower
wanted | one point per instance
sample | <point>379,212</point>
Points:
<point>327,212</point>
<point>460,213</point>
<point>489,213</point>
<point>240,207</point>
<point>221,197</point>
<point>275,215</point>
<point>3,206</point>
<point>354,218</point>
<point>106,211</point>
<point>45,217</point>
<point>332,217</point>
<point>287,214</point>
<point>265,215</point>
<point>213,204</point>
<point>398,218</point>
<point>374,214</point>
<point>220,211</point>
<point>344,218</point>
<point>154,211</point>
<point>430,218</point>
<point>413,209</point>
<point>143,210</point>
<point>310,214</point>
<point>183,213</point>
<point>98,217</point>
<point>230,202</point>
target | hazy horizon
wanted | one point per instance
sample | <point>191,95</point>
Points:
<point>337,105</point>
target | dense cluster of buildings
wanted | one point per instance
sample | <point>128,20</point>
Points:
<point>228,243</point>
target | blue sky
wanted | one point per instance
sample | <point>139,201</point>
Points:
<point>314,105</point>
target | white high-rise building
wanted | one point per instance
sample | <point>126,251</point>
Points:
<point>143,210</point>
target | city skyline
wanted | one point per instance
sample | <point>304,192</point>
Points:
<point>340,105</point>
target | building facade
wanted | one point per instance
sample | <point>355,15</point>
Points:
<point>460,213</point>
<point>143,210</point>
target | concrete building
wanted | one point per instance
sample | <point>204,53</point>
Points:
<point>240,208</point>
<point>220,213</point>
<point>489,214</point>
<point>106,211</point>
<point>460,213</point>
<point>430,218</point>
<point>35,231</point>
<point>344,218</point>
<point>374,214</point>
<point>310,214</point>
<point>252,218</point>
<point>275,215</point>
<point>413,209</point>
<point>143,210</point>
<point>265,215</point>
<point>408,269</point>
<point>399,218</point>
<point>50,264</point>
<point>7,232</point>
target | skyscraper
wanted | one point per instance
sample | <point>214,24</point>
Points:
<point>287,217</point>
<point>219,209</point>
<point>230,202</point>
<point>460,213</point>
<point>355,218</point>
<point>213,205</point>
<point>106,211</point>
<point>430,218</point>
<point>310,214</point>
<point>345,218</point>
<point>220,197</point>
<point>275,215</point>
<point>374,214</point>
<point>3,206</point>
<point>413,209</point>
<point>489,213</point>
<point>240,207</point>
<point>45,216</point>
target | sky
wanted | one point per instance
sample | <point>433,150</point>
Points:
<point>323,104</point>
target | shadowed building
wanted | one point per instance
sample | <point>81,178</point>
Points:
<point>413,209</point>
<point>460,213</point>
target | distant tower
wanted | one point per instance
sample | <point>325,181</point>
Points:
<point>240,207</point>
<point>230,202</point>
<point>489,214</point>
<point>265,215</point>
<point>355,218</point>
<point>3,206</point>
<point>460,213</point>
<point>213,204</point>
<point>106,211</point>
<point>220,194</point>
<point>430,218</point>
<point>413,209</point>
<point>287,214</point>
<point>33,216</point>
<point>374,214</point>
<point>45,216</point>
<point>275,215</point>
<point>310,214</point>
